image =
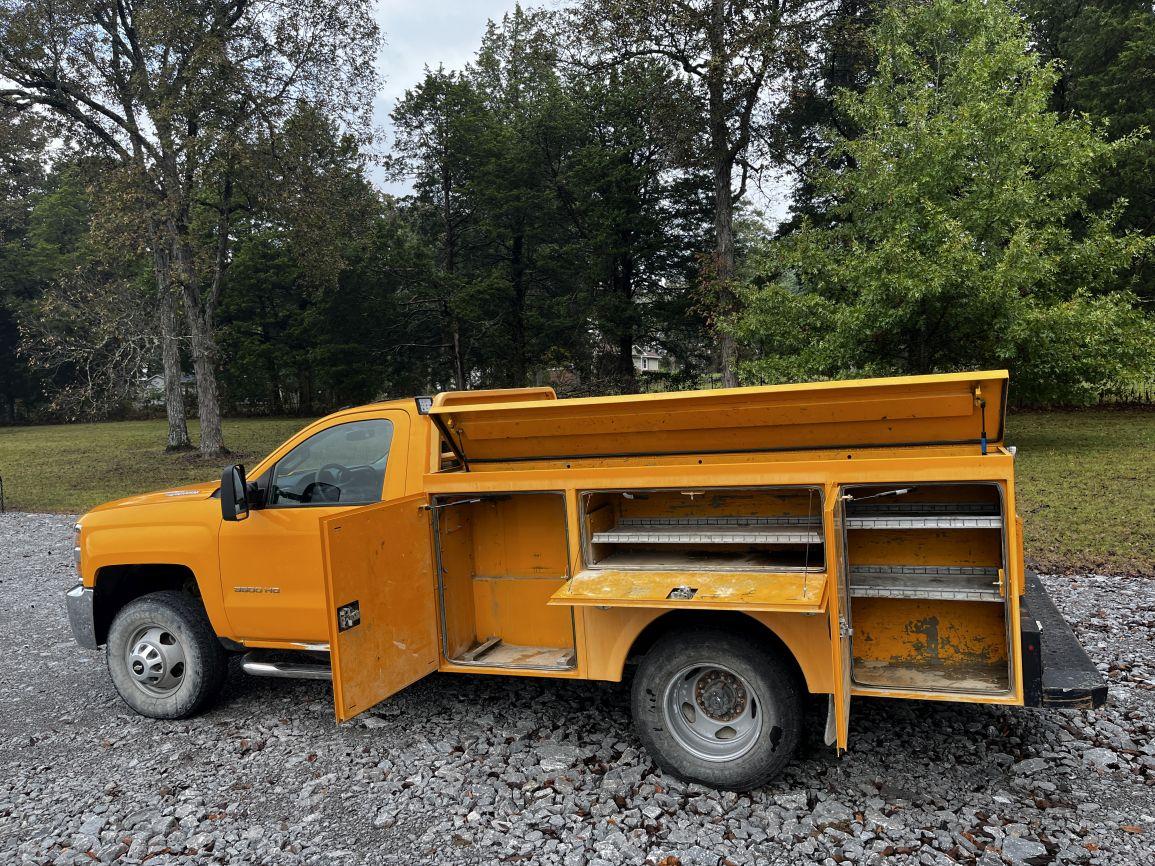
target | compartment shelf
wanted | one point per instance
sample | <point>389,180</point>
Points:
<point>711,530</point>
<point>709,559</point>
<point>494,652</point>
<point>946,583</point>
<point>923,515</point>
<point>924,521</point>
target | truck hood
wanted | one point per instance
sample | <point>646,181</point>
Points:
<point>192,492</point>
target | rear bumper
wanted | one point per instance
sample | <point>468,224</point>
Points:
<point>1057,672</point>
<point>78,602</point>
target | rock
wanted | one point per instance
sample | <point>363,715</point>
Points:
<point>1101,759</point>
<point>1019,850</point>
<point>1030,766</point>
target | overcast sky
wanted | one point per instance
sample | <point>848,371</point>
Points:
<point>420,33</point>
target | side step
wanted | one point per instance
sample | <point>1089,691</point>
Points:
<point>264,664</point>
<point>1057,672</point>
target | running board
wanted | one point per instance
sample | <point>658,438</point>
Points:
<point>254,665</point>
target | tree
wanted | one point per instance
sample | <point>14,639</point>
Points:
<point>170,91</point>
<point>962,236</point>
<point>23,180</point>
<point>310,216</point>
<point>1106,55</point>
<point>638,215</point>
<point>842,60</point>
<point>436,125</point>
<point>735,55</point>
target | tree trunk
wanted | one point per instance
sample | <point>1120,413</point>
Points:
<point>178,438</point>
<point>518,366</point>
<point>451,272</point>
<point>458,356</point>
<point>623,276</point>
<point>724,270</point>
<point>203,351</point>
<point>723,155</point>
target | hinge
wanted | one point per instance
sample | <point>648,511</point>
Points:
<point>844,629</point>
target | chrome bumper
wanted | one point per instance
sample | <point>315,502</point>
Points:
<point>78,600</point>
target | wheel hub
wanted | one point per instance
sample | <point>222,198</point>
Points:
<point>720,695</point>
<point>155,660</point>
<point>712,712</point>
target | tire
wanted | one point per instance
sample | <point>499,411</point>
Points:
<point>163,656</point>
<point>688,689</point>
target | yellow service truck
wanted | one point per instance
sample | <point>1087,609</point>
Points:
<point>743,548</point>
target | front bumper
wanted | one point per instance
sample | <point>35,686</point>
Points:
<point>78,601</point>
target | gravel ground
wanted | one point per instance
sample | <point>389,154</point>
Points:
<point>497,770</point>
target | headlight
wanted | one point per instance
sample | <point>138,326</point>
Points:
<point>76,548</point>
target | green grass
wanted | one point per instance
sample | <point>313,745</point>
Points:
<point>1086,488</point>
<point>1086,480</point>
<point>72,467</point>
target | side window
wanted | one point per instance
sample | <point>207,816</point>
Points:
<point>342,465</point>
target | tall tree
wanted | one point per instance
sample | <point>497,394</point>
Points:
<point>163,89</point>
<point>639,216</point>
<point>437,124</point>
<point>736,55</point>
<point>1106,55</point>
<point>962,232</point>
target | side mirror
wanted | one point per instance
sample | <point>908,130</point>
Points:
<point>234,493</point>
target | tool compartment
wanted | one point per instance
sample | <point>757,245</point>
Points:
<point>926,580</point>
<point>704,529</point>
<point>499,559</point>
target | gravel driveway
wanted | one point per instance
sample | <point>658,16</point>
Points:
<point>495,770</point>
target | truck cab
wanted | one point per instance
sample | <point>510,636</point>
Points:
<point>743,548</point>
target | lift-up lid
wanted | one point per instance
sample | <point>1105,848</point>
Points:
<point>949,409</point>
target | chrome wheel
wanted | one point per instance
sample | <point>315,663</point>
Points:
<point>712,712</point>
<point>155,660</point>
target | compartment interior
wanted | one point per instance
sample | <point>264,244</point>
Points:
<point>695,529</point>
<point>926,580</point>
<point>501,557</point>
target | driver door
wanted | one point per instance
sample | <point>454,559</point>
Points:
<point>272,570</point>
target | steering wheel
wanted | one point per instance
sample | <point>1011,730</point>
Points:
<point>326,484</point>
<point>334,474</point>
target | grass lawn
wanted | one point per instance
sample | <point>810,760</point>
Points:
<point>72,467</point>
<point>1086,480</point>
<point>1086,488</point>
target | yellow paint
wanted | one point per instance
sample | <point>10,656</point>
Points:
<point>716,590</point>
<point>516,609</point>
<point>378,557</point>
<point>613,631</point>
<point>507,562</point>
<point>866,412</point>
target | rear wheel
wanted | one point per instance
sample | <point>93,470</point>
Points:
<point>163,656</point>
<point>717,708</point>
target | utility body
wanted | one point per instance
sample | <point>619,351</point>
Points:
<point>744,548</point>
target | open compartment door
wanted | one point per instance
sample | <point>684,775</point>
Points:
<point>842,629</point>
<point>381,602</point>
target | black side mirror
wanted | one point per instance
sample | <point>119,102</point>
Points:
<point>234,493</point>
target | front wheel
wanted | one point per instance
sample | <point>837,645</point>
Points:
<point>717,708</point>
<point>163,656</point>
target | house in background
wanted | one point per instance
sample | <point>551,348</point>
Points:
<point>649,360</point>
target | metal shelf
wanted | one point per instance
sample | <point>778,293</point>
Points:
<point>865,509</point>
<point>705,535</point>
<point>946,583</point>
<point>924,521</point>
